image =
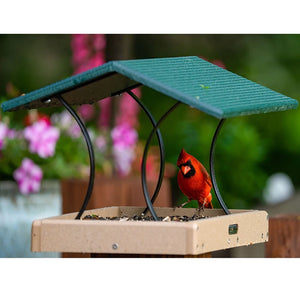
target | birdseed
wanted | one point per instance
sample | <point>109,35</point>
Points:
<point>142,217</point>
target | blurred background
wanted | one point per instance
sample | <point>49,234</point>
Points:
<point>257,157</point>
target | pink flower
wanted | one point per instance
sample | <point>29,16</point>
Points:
<point>63,120</point>
<point>96,60</point>
<point>66,123</point>
<point>28,176</point>
<point>123,159</point>
<point>74,131</point>
<point>99,42</point>
<point>42,138</point>
<point>3,133</point>
<point>12,133</point>
<point>101,143</point>
<point>124,139</point>
<point>86,111</point>
<point>80,48</point>
<point>88,51</point>
<point>128,109</point>
<point>124,136</point>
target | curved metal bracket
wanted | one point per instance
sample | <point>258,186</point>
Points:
<point>144,183</point>
<point>90,150</point>
<point>161,150</point>
<point>212,167</point>
<point>155,129</point>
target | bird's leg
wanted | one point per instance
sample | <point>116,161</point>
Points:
<point>183,204</point>
<point>201,208</point>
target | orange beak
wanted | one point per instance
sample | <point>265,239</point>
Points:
<point>185,169</point>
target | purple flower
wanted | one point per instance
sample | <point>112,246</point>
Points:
<point>42,138</point>
<point>28,176</point>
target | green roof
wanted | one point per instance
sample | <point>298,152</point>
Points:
<point>191,80</point>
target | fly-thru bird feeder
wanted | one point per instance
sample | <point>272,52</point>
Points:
<point>189,80</point>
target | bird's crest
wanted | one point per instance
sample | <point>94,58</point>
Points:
<point>182,158</point>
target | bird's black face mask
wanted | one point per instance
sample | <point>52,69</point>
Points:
<point>187,169</point>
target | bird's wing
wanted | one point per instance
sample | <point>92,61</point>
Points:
<point>206,175</point>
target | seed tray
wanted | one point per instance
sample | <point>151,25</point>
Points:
<point>215,231</point>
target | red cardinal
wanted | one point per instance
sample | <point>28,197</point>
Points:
<point>193,180</point>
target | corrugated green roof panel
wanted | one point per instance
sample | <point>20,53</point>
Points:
<point>87,87</point>
<point>206,86</point>
<point>190,80</point>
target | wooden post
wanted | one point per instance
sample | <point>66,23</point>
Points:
<point>112,192</point>
<point>284,236</point>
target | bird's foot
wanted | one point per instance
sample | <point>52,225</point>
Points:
<point>200,211</point>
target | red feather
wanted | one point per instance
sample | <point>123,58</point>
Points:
<point>193,179</point>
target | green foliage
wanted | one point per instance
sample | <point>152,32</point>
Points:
<point>239,154</point>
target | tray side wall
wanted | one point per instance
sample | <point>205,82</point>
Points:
<point>64,234</point>
<point>112,237</point>
<point>214,235</point>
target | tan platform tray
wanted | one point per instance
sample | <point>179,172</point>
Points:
<point>216,232</point>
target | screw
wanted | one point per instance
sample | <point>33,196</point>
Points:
<point>237,239</point>
<point>262,235</point>
<point>202,245</point>
<point>46,101</point>
<point>115,246</point>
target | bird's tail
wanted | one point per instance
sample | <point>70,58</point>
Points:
<point>208,203</point>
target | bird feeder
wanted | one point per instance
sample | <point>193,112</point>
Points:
<point>189,80</point>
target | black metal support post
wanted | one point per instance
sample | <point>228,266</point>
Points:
<point>91,154</point>
<point>212,167</point>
